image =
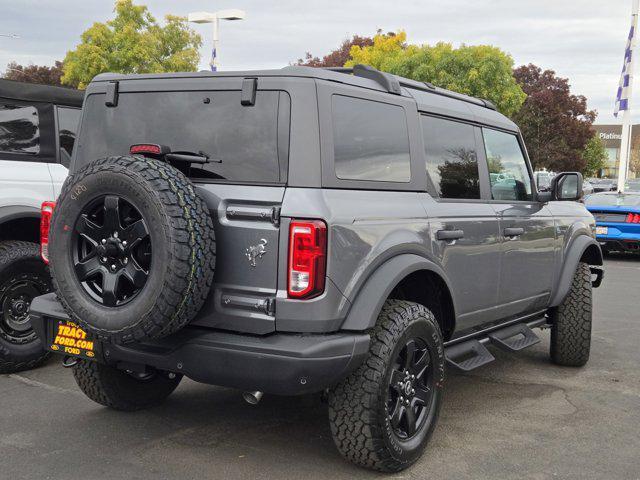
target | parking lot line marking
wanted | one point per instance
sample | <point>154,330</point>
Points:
<point>35,383</point>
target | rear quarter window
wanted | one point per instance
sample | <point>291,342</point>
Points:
<point>371,140</point>
<point>68,122</point>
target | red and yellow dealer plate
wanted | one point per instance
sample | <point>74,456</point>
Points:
<point>69,339</point>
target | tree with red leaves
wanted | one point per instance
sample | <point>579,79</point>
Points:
<point>35,73</point>
<point>556,125</point>
<point>337,57</point>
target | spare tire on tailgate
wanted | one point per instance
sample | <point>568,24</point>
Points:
<point>132,249</point>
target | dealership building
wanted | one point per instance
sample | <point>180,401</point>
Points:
<point>611,136</point>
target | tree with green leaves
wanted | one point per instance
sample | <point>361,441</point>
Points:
<point>595,156</point>
<point>481,71</point>
<point>133,42</point>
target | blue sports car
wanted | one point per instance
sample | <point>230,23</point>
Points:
<point>617,219</point>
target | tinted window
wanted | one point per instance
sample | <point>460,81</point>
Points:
<point>371,140</point>
<point>68,119</point>
<point>452,163</point>
<point>508,171</point>
<point>19,129</point>
<point>242,140</point>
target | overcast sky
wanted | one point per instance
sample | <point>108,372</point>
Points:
<point>583,40</point>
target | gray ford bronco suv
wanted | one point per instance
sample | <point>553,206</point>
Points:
<point>306,230</point>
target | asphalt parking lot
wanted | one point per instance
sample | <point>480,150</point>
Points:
<point>519,417</point>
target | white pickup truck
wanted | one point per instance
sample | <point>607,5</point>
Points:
<point>38,126</point>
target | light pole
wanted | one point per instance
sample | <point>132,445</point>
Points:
<point>206,17</point>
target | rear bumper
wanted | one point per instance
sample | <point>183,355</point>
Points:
<point>285,364</point>
<point>624,245</point>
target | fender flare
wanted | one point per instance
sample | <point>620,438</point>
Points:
<point>574,253</point>
<point>12,212</point>
<point>368,303</point>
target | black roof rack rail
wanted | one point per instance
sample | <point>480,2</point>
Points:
<point>387,81</point>
<point>429,87</point>
<point>489,104</point>
<point>393,83</point>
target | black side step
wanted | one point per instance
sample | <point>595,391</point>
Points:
<point>472,353</point>
<point>514,338</point>
<point>468,355</point>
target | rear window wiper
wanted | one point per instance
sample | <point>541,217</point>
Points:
<point>182,160</point>
<point>191,157</point>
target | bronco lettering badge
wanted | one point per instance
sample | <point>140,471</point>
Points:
<point>256,251</point>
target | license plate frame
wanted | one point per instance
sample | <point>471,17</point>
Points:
<point>67,338</point>
<point>602,230</point>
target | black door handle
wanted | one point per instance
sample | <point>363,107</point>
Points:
<point>513,231</point>
<point>449,234</point>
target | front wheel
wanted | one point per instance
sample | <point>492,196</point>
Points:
<point>124,390</point>
<point>384,413</point>
<point>571,322</point>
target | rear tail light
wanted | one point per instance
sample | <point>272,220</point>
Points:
<point>633,218</point>
<point>46,210</point>
<point>307,258</point>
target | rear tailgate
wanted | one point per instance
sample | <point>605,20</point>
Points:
<point>246,222</point>
<point>246,142</point>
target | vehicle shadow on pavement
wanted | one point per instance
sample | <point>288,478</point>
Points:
<point>201,428</point>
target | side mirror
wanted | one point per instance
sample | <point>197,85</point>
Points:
<point>567,186</point>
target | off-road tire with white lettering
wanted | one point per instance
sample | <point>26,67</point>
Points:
<point>571,322</point>
<point>20,262</point>
<point>182,239</point>
<point>122,390</point>
<point>358,413</point>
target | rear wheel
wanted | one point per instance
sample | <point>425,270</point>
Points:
<point>571,322</point>
<point>384,413</point>
<point>123,390</point>
<point>23,276</point>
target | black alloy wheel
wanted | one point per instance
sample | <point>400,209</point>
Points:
<point>16,294</point>
<point>111,250</point>
<point>383,414</point>
<point>411,385</point>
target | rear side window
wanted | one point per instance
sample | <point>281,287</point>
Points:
<point>510,179</point>
<point>68,119</point>
<point>19,129</point>
<point>371,140</point>
<point>452,162</point>
<point>243,142</point>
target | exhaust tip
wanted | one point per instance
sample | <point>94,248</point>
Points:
<point>252,398</point>
<point>68,361</point>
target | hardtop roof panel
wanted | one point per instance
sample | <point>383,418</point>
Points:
<point>437,99</point>
<point>40,93</point>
